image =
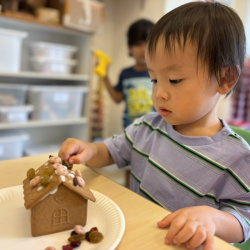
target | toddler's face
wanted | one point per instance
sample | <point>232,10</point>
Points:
<point>182,93</point>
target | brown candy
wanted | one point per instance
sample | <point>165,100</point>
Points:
<point>95,237</point>
<point>31,173</point>
<point>45,180</point>
<point>76,238</point>
<point>67,164</point>
<point>75,181</point>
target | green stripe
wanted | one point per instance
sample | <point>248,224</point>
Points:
<point>201,156</point>
<point>173,177</point>
<point>143,191</point>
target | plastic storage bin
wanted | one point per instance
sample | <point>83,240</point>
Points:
<point>52,50</point>
<point>10,49</point>
<point>48,65</point>
<point>12,94</point>
<point>56,102</point>
<point>41,149</point>
<point>12,144</point>
<point>15,113</point>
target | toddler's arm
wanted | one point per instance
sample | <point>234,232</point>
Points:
<point>94,154</point>
<point>198,225</point>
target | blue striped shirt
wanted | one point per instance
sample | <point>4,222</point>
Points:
<point>177,171</point>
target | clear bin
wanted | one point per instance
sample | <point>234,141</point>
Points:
<point>15,113</point>
<point>12,144</point>
<point>41,149</point>
<point>10,49</point>
<point>54,66</point>
<point>12,94</point>
<point>52,50</point>
<point>56,102</point>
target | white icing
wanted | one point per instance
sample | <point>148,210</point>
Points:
<point>40,188</point>
<point>73,172</point>
<point>54,191</point>
<point>63,178</point>
<point>65,167</point>
<point>71,175</point>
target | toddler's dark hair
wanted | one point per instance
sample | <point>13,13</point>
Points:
<point>138,31</point>
<point>215,28</point>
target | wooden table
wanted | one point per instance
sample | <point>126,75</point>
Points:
<point>140,214</point>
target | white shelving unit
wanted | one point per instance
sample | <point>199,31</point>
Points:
<point>56,131</point>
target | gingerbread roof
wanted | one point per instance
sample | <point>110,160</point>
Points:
<point>32,195</point>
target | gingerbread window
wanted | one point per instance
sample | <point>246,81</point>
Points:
<point>61,216</point>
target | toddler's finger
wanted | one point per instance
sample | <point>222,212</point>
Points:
<point>176,225</point>
<point>166,221</point>
<point>198,238</point>
<point>82,157</point>
<point>209,242</point>
<point>187,233</point>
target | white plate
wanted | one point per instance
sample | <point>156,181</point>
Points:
<point>15,224</point>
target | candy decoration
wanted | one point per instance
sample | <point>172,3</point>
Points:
<point>50,248</point>
<point>31,173</point>
<point>55,159</point>
<point>67,247</point>
<point>75,181</point>
<point>76,238</point>
<point>34,182</point>
<point>75,244</point>
<point>67,164</point>
<point>95,237</point>
<point>79,229</point>
<point>73,233</point>
<point>61,170</point>
<point>80,181</point>
<point>78,173</point>
<point>45,180</point>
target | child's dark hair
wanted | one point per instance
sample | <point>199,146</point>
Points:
<point>216,29</point>
<point>138,31</point>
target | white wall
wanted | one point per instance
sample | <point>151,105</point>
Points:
<point>120,14</point>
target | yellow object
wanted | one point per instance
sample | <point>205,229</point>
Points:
<point>104,61</point>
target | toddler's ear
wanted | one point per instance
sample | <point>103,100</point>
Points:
<point>229,77</point>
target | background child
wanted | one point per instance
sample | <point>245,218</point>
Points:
<point>134,84</point>
<point>184,157</point>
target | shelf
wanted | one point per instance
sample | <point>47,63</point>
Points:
<point>11,18</point>
<point>38,75</point>
<point>33,124</point>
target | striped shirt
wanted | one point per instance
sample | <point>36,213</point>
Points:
<point>177,171</point>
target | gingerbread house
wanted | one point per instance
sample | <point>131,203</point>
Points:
<point>59,203</point>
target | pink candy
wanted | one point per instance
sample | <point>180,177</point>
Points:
<point>60,170</point>
<point>78,173</point>
<point>55,159</point>
<point>50,248</point>
<point>56,165</point>
<point>79,229</point>
<point>80,181</point>
<point>34,182</point>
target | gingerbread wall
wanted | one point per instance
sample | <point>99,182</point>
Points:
<point>58,212</point>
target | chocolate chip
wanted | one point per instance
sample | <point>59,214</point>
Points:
<point>51,156</point>
<point>75,181</point>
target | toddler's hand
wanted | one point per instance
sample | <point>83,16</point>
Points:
<point>193,225</point>
<point>76,151</point>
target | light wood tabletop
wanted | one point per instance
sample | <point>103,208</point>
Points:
<point>141,215</point>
